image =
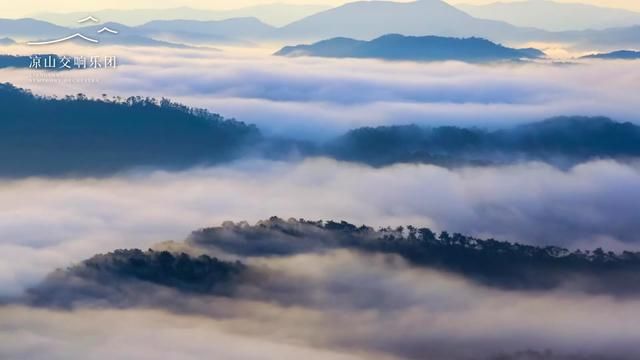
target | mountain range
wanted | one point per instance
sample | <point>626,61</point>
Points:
<point>604,40</point>
<point>234,30</point>
<point>363,20</point>
<point>29,29</point>
<point>548,15</point>
<point>276,14</point>
<point>553,16</point>
<point>424,48</point>
<point>366,20</point>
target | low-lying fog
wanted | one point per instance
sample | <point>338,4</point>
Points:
<point>315,97</point>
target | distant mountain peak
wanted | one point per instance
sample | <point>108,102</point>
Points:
<point>367,20</point>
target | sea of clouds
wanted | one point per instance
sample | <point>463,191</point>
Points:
<point>48,223</point>
<point>315,97</point>
<point>335,305</point>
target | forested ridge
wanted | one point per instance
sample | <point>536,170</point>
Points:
<point>50,136</point>
<point>114,276</point>
<point>80,136</point>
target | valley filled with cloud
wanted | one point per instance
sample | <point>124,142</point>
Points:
<point>342,94</point>
<point>218,194</point>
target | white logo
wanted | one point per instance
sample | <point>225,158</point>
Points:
<point>78,35</point>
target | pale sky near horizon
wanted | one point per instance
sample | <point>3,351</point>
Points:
<point>24,8</point>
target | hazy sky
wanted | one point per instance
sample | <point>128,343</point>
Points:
<point>27,7</point>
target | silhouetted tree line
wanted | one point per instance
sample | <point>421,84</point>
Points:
<point>490,262</point>
<point>124,277</point>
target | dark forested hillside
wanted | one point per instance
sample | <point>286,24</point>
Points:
<point>489,262</point>
<point>76,135</point>
<point>47,136</point>
<point>122,268</point>
<point>563,140</point>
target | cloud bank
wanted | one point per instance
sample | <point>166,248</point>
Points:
<point>339,303</point>
<point>49,223</point>
<point>311,97</point>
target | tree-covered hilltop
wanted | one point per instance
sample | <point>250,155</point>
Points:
<point>108,277</point>
<point>126,277</point>
<point>202,274</point>
<point>490,262</point>
<point>558,140</point>
<point>50,136</point>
